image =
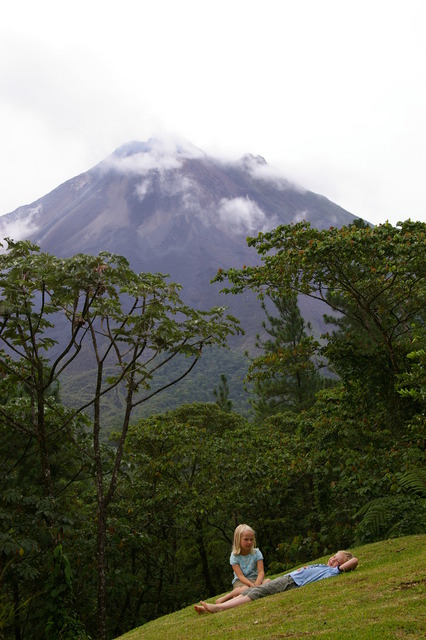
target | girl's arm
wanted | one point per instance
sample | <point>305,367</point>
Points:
<point>240,575</point>
<point>349,565</point>
<point>260,573</point>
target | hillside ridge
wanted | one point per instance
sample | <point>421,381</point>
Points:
<point>381,600</point>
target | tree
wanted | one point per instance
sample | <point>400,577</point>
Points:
<point>412,383</point>
<point>379,272</point>
<point>33,522</point>
<point>222,394</point>
<point>285,376</point>
<point>372,279</point>
<point>178,484</point>
<point>92,312</point>
<point>367,434</point>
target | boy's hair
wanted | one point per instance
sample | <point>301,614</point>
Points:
<point>348,555</point>
<point>242,528</point>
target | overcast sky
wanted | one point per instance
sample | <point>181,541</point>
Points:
<point>331,92</point>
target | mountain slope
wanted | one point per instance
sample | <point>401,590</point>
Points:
<point>171,209</point>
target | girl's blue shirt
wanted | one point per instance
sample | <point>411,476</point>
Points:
<point>248,564</point>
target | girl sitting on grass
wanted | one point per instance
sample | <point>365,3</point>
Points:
<point>246,561</point>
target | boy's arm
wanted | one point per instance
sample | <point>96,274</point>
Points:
<point>349,565</point>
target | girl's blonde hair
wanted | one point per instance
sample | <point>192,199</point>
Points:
<point>242,528</point>
<point>348,555</point>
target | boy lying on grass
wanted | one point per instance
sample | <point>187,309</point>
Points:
<point>341,561</point>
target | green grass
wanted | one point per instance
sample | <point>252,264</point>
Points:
<point>383,599</point>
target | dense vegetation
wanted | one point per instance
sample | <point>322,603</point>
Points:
<point>101,534</point>
<point>198,386</point>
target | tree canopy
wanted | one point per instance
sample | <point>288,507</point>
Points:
<point>88,312</point>
<point>374,276</point>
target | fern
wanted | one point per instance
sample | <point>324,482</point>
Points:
<point>388,516</point>
<point>414,481</point>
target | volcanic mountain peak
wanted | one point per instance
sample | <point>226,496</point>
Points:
<point>169,207</point>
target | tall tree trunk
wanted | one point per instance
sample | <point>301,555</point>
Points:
<point>101,512</point>
<point>204,560</point>
<point>40,428</point>
<point>101,562</point>
<point>16,621</point>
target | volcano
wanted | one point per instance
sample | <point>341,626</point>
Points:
<point>173,209</point>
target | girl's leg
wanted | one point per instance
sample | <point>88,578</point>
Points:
<point>229,604</point>
<point>232,594</point>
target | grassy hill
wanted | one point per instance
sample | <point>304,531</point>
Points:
<point>383,599</point>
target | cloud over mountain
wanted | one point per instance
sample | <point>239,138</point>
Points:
<point>155,155</point>
<point>242,215</point>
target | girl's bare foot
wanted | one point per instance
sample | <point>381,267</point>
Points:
<point>199,609</point>
<point>211,608</point>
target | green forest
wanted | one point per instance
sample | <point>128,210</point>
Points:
<point>109,519</point>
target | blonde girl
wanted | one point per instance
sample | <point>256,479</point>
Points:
<point>246,562</point>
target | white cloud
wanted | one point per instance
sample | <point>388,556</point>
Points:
<point>19,228</point>
<point>142,188</point>
<point>143,163</point>
<point>171,185</point>
<point>261,170</point>
<point>300,217</point>
<point>241,215</point>
<point>159,155</point>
